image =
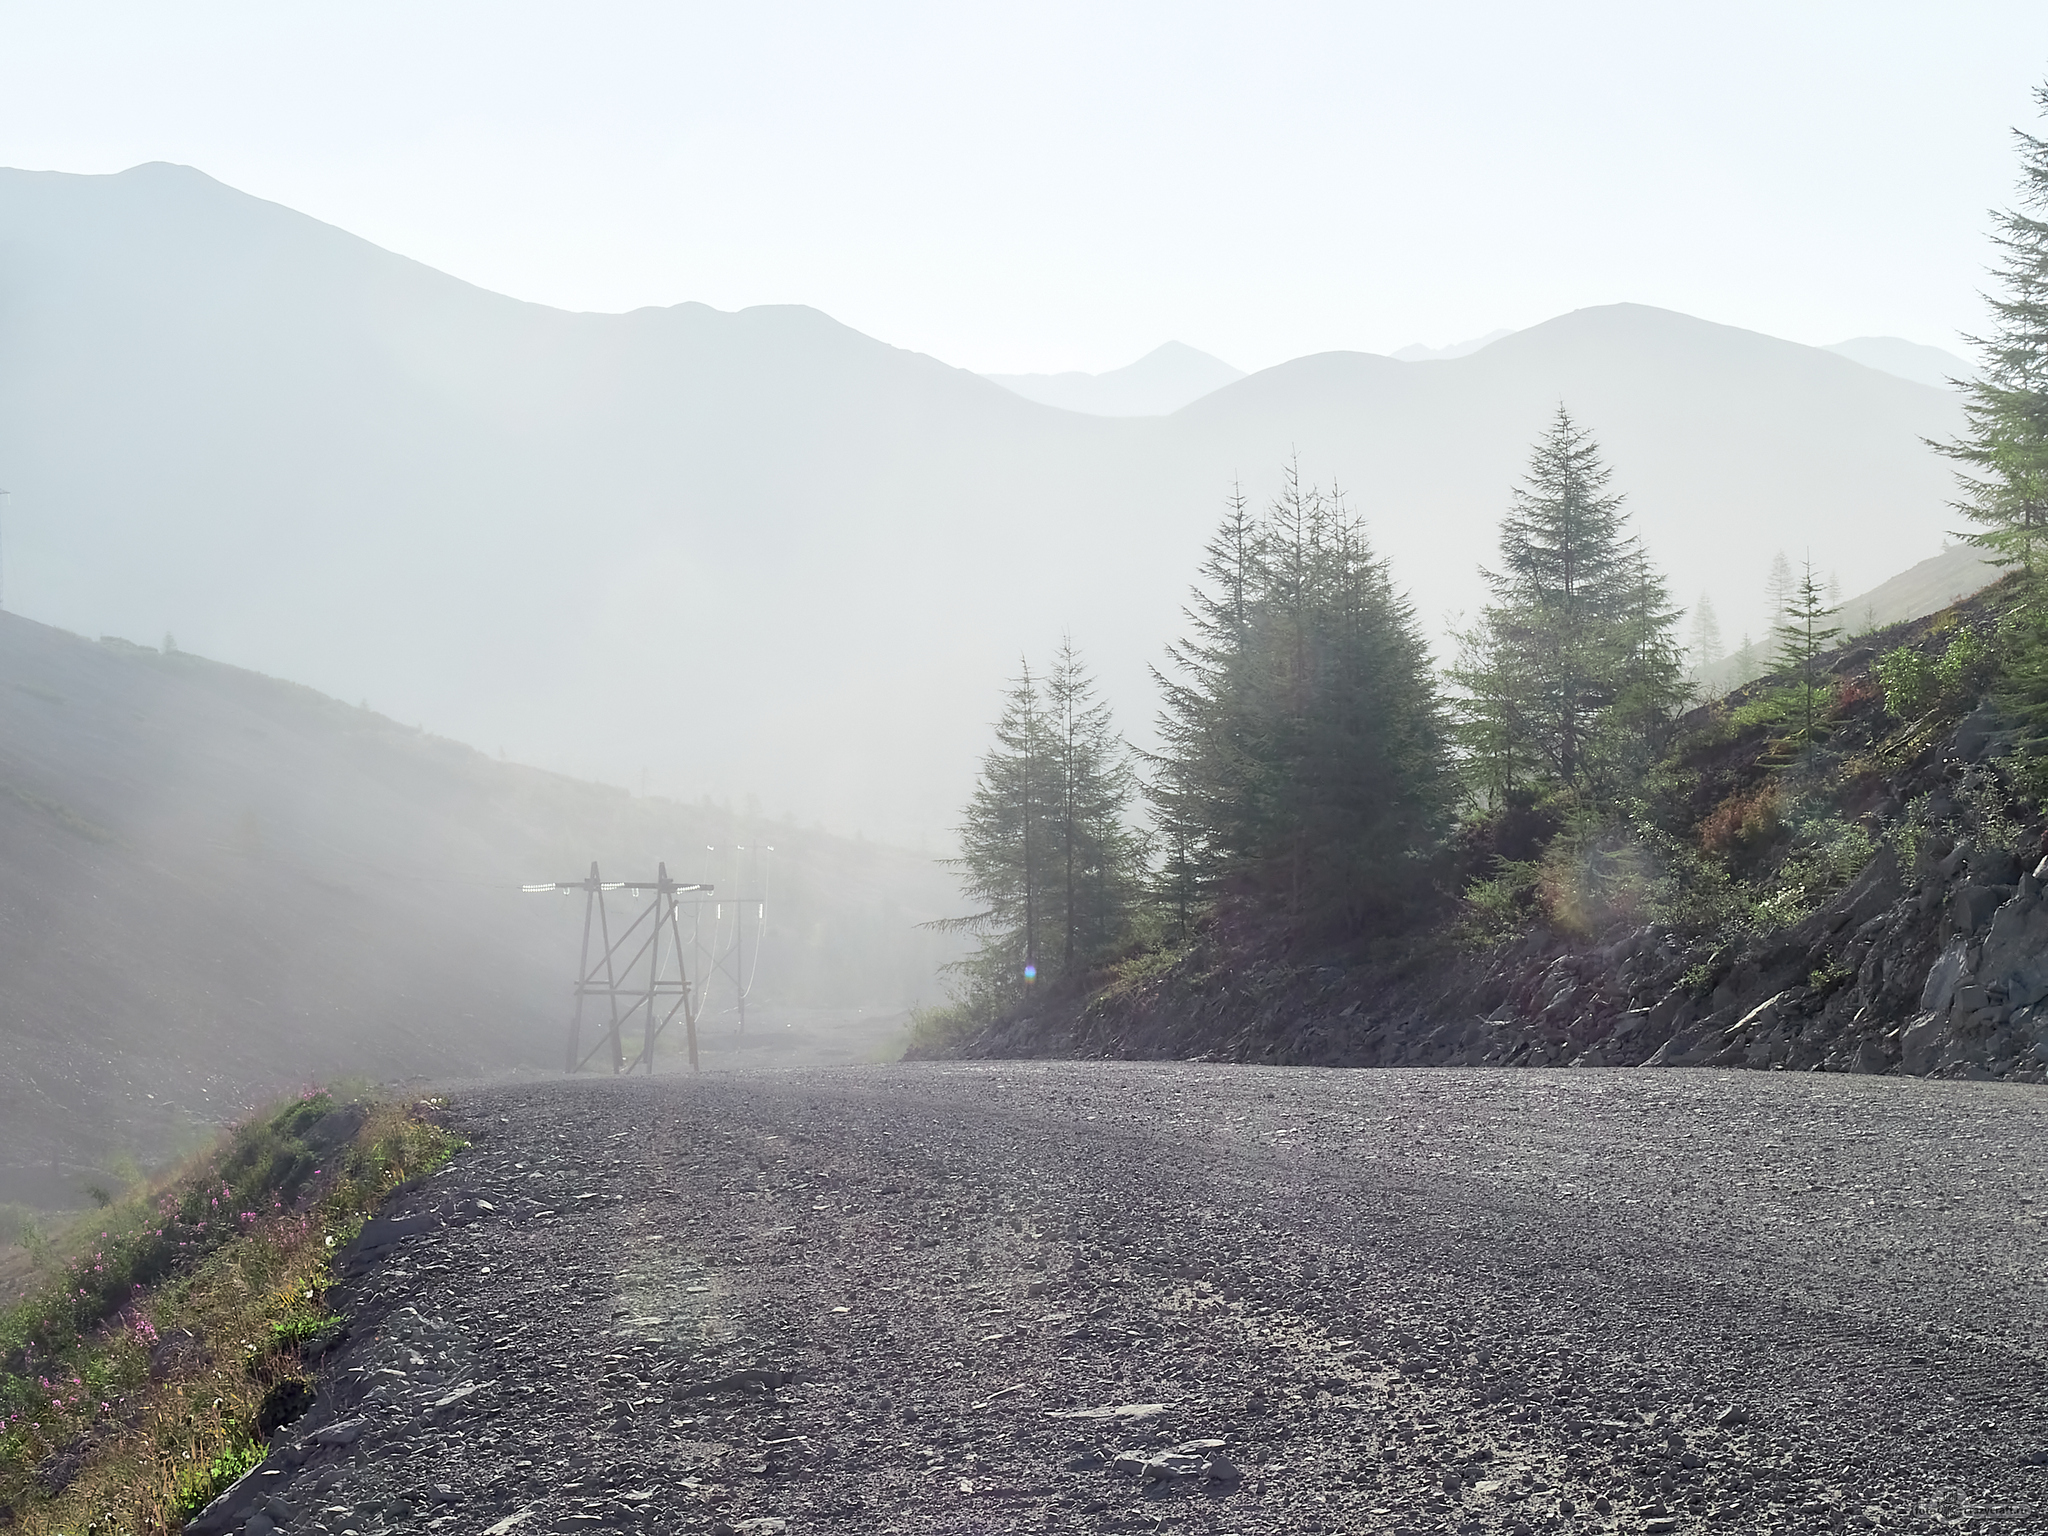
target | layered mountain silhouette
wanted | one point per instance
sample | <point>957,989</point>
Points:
<point>1922,364</point>
<point>1157,384</point>
<point>760,552</point>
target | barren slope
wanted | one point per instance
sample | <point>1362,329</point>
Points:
<point>215,885</point>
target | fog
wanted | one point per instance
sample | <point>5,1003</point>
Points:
<point>344,596</point>
<point>759,554</point>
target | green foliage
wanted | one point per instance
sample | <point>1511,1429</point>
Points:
<point>1573,671</point>
<point>1825,978</point>
<point>290,1332</point>
<point>1962,665</point>
<point>1500,904</point>
<point>1046,850</point>
<point>202,1484</point>
<point>1908,682</point>
<point>1303,759</point>
<point>2003,454</point>
<point>1802,635</point>
<point>225,1263</point>
<point>1825,854</point>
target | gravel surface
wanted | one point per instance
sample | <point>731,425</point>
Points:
<point>1108,1296</point>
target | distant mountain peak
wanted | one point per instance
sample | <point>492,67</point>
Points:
<point>1168,377</point>
<point>1418,353</point>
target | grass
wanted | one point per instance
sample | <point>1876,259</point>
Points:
<point>219,1272</point>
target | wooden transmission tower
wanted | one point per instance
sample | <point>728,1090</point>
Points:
<point>630,973</point>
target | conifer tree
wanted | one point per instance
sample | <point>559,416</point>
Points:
<point>1576,656</point>
<point>1005,838</point>
<point>1302,755</point>
<point>1803,634</point>
<point>1046,850</point>
<point>1094,855</point>
<point>2003,453</point>
<point>1650,677</point>
<point>1779,587</point>
<point>1705,648</point>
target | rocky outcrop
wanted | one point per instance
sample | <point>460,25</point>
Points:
<point>1937,969</point>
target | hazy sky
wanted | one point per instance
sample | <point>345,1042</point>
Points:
<point>1046,186</point>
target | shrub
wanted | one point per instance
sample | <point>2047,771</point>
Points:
<point>1747,819</point>
<point>1962,666</point>
<point>1908,683</point>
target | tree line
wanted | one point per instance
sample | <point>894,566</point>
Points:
<point>1311,761</point>
<point>1312,764</point>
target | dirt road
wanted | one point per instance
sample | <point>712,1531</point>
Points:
<point>1053,1297</point>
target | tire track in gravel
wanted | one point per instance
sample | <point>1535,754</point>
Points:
<point>960,1298</point>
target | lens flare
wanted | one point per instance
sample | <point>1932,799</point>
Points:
<point>1030,971</point>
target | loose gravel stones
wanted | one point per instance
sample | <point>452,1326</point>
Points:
<point>1057,1297</point>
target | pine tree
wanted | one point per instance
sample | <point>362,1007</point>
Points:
<point>2003,454</point>
<point>1203,726</point>
<point>1803,635</point>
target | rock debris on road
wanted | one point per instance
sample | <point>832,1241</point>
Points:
<point>1124,1297</point>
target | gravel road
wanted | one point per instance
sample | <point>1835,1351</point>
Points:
<point>1132,1297</point>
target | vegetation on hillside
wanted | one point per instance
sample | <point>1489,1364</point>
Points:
<point>170,1336</point>
<point>1321,794</point>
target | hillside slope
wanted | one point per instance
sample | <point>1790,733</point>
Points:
<point>1876,905</point>
<point>759,552</point>
<point>214,884</point>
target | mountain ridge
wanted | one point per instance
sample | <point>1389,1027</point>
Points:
<point>821,553</point>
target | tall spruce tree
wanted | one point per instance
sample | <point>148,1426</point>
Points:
<point>1575,660</point>
<point>1779,587</point>
<point>1005,845</point>
<point>1803,635</point>
<point>1096,856</point>
<point>1302,756</point>
<point>1047,853</point>
<point>1705,646</point>
<point>2003,453</point>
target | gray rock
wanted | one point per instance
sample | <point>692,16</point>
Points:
<point>1972,906</point>
<point>259,1524</point>
<point>347,1432</point>
<point>1920,1046</point>
<point>1944,976</point>
<point>1221,1469</point>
